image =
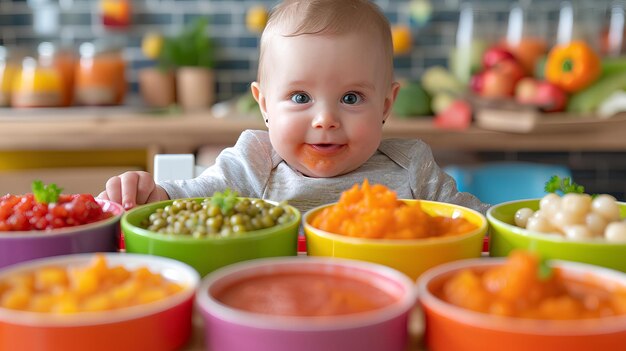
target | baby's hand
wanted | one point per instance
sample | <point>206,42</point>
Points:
<point>133,188</point>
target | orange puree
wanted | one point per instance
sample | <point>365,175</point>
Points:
<point>375,212</point>
<point>97,287</point>
<point>304,294</point>
<point>315,160</point>
<point>516,289</point>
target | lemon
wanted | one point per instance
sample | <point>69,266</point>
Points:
<point>256,18</point>
<point>401,39</point>
<point>151,45</point>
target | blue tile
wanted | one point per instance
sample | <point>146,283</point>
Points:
<point>233,64</point>
<point>248,42</point>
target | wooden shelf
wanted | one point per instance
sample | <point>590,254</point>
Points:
<point>188,132</point>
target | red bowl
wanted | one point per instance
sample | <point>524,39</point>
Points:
<point>161,325</point>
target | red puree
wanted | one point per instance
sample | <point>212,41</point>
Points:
<point>304,294</point>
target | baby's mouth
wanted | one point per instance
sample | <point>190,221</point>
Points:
<point>326,148</point>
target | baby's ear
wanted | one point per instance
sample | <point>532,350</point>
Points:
<point>390,99</point>
<point>255,87</point>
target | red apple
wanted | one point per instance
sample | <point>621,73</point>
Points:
<point>497,84</point>
<point>477,82</point>
<point>526,91</point>
<point>513,69</point>
<point>456,116</point>
<point>550,98</point>
<point>495,55</point>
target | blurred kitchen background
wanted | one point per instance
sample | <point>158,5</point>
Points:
<point>26,23</point>
<point>129,29</point>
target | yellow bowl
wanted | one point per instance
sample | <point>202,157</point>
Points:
<point>411,257</point>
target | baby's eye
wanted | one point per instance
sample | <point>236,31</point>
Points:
<point>351,98</point>
<point>300,98</point>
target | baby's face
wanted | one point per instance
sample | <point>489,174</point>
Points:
<point>325,98</point>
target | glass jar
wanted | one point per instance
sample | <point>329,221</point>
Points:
<point>8,69</point>
<point>612,34</point>
<point>100,75</point>
<point>579,21</point>
<point>36,85</point>
<point>525,35</point>
<point>64,61</point>
<point>474,35</point>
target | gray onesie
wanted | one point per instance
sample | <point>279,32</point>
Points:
<point>254,169</point>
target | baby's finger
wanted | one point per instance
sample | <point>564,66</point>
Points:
<point>114,189</point>
<point>145,186</point>
<point>154,196</point>
<point>103,195</point>
<point>129,189</point>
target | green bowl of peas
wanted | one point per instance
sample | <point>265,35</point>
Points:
<point>209,233</point>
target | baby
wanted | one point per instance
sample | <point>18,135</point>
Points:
<point>325,88</point>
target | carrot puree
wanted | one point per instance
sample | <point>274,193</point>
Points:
<point>375,212</point>
<point>517,289</point>
<point>304,294</point>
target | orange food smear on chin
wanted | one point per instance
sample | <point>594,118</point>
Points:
<point>314,160</point>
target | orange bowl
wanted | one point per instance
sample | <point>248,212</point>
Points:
<point>449,327</point>
<point>161,325</point>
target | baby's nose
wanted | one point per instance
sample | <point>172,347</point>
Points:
<point>326,118</point>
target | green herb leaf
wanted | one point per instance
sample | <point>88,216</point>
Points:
<point>45,194</point>
<point>563,186</point>
<point>192,47</point>
<point>545,270</point>
<point>226,201</point>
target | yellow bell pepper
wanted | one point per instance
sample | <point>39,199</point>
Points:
<point>573,66</point>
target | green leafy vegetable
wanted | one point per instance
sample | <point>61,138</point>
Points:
<point>46,194</point>
<point>564,186</point>
<point>226,201</point>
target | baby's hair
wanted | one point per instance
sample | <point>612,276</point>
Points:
<point>292,18</point>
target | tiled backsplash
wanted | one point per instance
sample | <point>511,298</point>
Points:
<point>237,57</point>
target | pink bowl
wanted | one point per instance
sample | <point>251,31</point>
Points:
<point>101,236</point>
<point>383,329</point>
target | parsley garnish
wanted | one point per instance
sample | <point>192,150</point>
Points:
<point>46,194</point>
<point>564,186</point>
<point>226,201</point>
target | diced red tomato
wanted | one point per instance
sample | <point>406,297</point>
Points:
<point>23,213</point>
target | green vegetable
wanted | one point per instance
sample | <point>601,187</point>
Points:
<point>437,79</point>
<point>191,48</point>
<point>590,98</point>
<point>226,201</point>
<point>46,194</point>
<point>613,65</point>
<point>564,186</point>
<point>545,270</point>
<point>412,101</point>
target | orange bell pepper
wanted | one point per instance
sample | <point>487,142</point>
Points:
<point>573,66</point>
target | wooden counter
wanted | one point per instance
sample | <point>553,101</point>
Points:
<point>99,129</point>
